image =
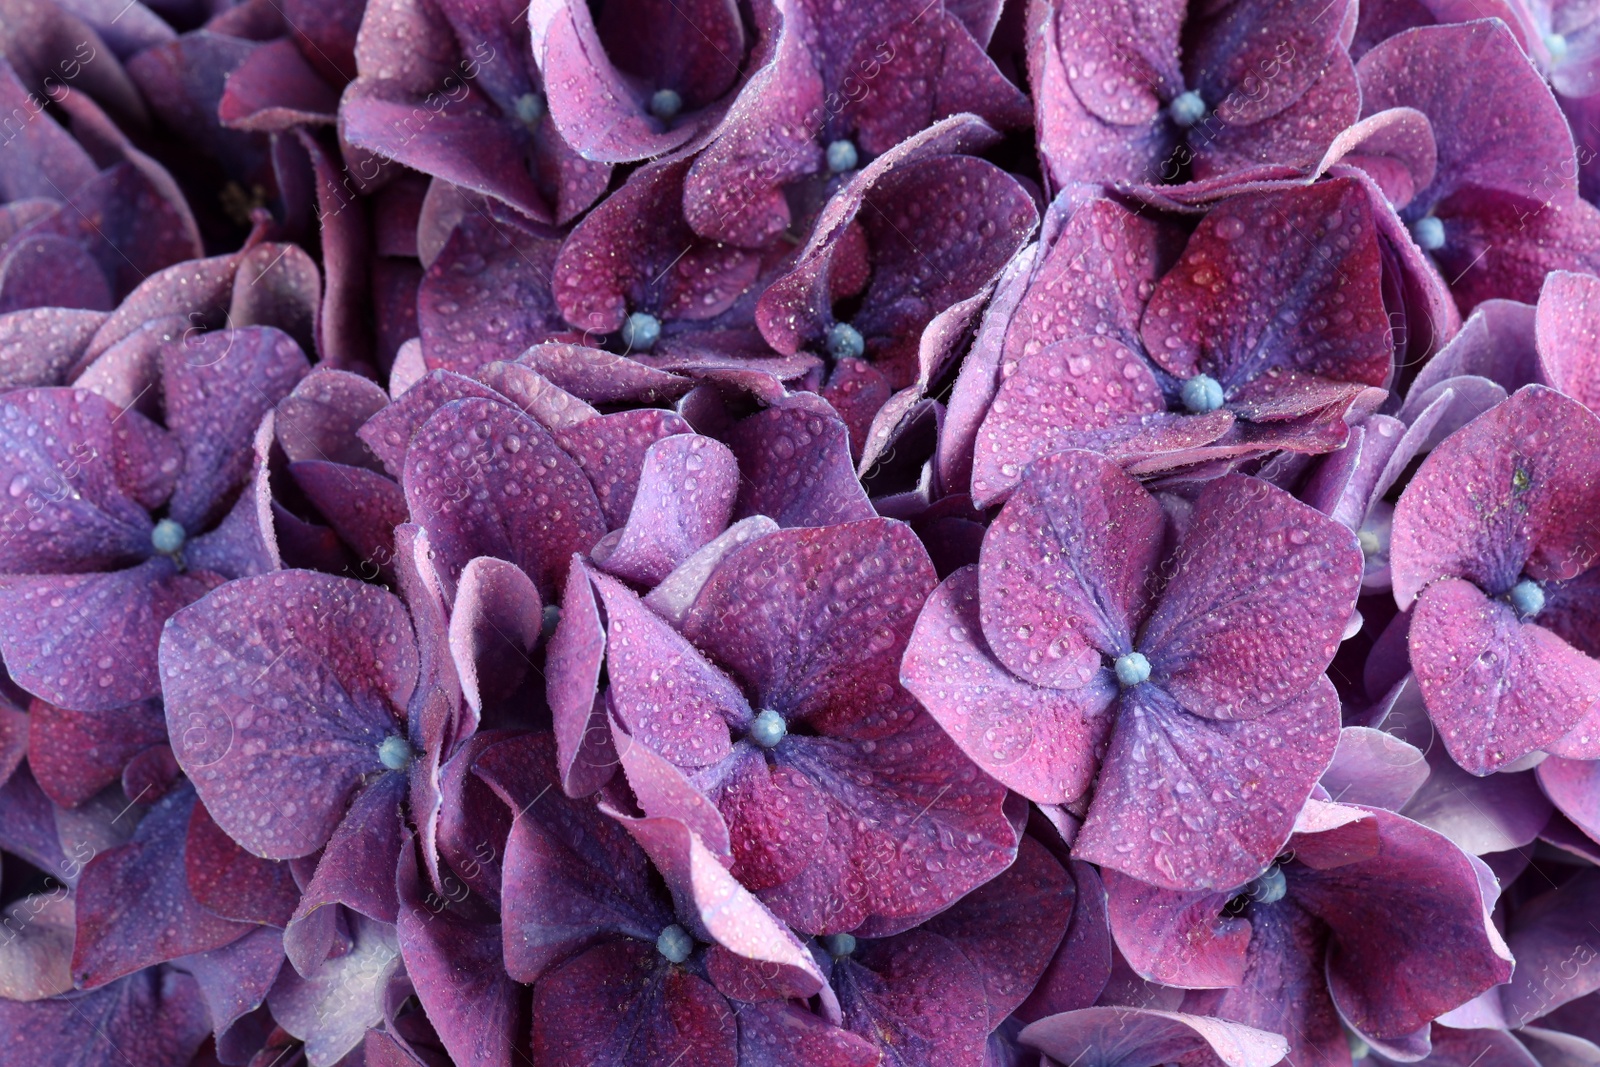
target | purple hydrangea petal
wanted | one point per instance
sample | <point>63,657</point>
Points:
<point>1313,250</point>
<point>611,450</point>
<point>272,676</point>
<point>1520,153</point>
<point>388,432</point>
<point>487,265</point>
<point>231,883</point>
<point>322,417</point>
<point>276,89</point>
<point>585,755</point>
<point>75,754</point>
<point>1177,937</point>
<point>89,641</point>
<point>1565,325</point>
<point>1374,768</point>
<point>47,162</point>
<point>1044,743</point>
<point>134,907</point>
<point>156,1015</point>
<point>1258,605</point>
<point>917,997</point>
<point>621,1003</point>
<point>494,625</point>
<point>36,959</point>
<point>1234,810</point>
<point>1064,571</point>
<point>1554,948</point>
<point>469,479</point>
<point>1502,246</point>
<point>455,967</point>
<point>776,1034</point>
<point>572,879</point>
<point>1140,1037</point>
<point>1082,965</point>
<point>601,377</point>
<point>43,269</point>
<point>687,486</point>
<point>332,1010</point>
<point>819,488</point>
<point>1536,450</point>
<point>1573,786</point>
<point>1389,970</point>
<point>234,981</point>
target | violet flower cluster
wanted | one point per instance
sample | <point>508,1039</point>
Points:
<point>785,533</point>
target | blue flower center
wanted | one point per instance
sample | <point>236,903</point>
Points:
<point>1270,888</point>
<point>842,156</point>
<point>168,537</point>
<point>1527,598</point>
<point>768,728</point>
<point>1428,232</point>
<point>641,331</point>
<point>666,104</point>
<point>1556,45</point>
<point>845,341</point>
<point>530,109</point>
<point>394,752</point>
<point>550,620</point>
<point>675,943</point>
<point>1187,108</point>
<point>839,945</point>
<point>1202,393</point>
<point>1132,669</point>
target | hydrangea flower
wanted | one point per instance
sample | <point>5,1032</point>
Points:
<point>1099,642</point>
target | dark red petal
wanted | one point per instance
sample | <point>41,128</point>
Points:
<point>229,882</point>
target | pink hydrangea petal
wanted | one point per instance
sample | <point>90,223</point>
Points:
<point>1178,938</point>
<point>1043,743</point>
<point>585,755</point>
<point>1235,809</point>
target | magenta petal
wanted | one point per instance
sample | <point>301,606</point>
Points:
<point>1538,449</point>
<point>276,767</point>
<point>622,1003</point>
<point>1312,253</point>
<point>685,496</point>
<point>1519,154</point>
<point>1177,938</point>
<point>1416,906</point>
<point>89,641</point>
<point>1064,571</point>
<point>585,756</point>
<point>660,788</point>
<point>794,459</point>
<point>322,417</point>
<point>154,1017</point>
<point>724,909</point>
<point>1258,605</point>
<point>362,506</point>
<point>470,480</point>
<point>1044,743</point>
<point>75,754</point>
<point>815,620</point>
<point>1235,809</point>
<point>39,345</point>
<point>134,905</point>
<point>1082,965</point>
<point>917,997</point>
<point>1138,1037</point>
<point>455,966</point>
<point>1499,245</point>
<point>1496,687</point>
<point>231,883</point>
